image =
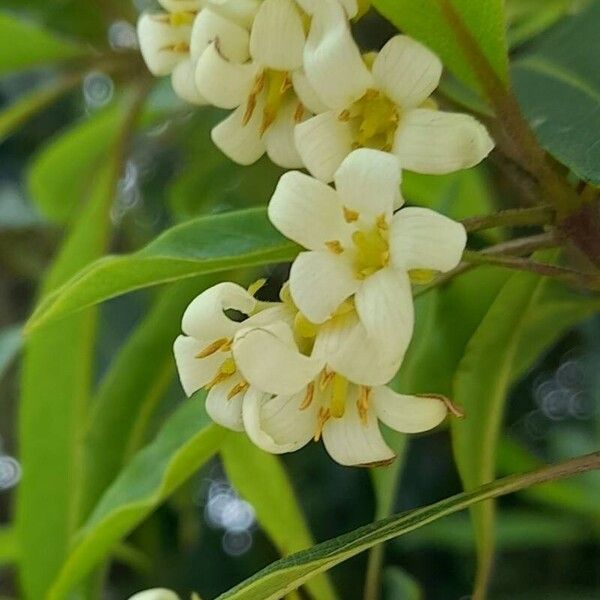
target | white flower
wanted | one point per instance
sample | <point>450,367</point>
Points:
<point>384,106</point>
<point>358,247</point>
<point>155,594</point>
<point>203,354</point>
<point>267,88</point>
<point>293,399</point>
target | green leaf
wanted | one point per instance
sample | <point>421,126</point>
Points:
<point>186,441</point>
<point>9,546</point>
<point>424,20</point>
<point>399,585</point>
<point>289,573</point>
<point>558,87</point>
<point>24,45</point>
<point>61,172</point>
<point>56,379</point>
<point>11,341</point>
<point>261,479</point>
<point>208,244</point>
<point>128,394</point>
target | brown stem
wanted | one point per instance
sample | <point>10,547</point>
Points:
<point>538,215</point>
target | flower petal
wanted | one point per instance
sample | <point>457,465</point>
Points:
<point>436,142</point>
<point>205,318</point>
<point>268,358</point>
<point>225,411</point>
<point>279,138</point>
<point>277,424</point>
<point>241,12</point>
<point>332,60</point>
<point>307,94</point>
<point>155,593</point>
<point>156,38</point>
<point>241,142</point>
<point>368,181</point>
<point>277,37</point>
<point>194,373</point>
<point>323,142</point>
<point>421,238</point>
<point>175,6</point>
<point>232,40</point>
<point>319,282</point>
<point>351,442</point>
<point>344,344</point>
<point>407,71</point>
<point>408,414</point>
<point>182,80</point>
<point>224,83</point>
<point>385,307</point>
<point>307,211</point>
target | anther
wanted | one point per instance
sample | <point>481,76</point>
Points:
<point>362,404</point>
<point>308,397</point>
<point>237,389</point>
<point>299,113</point>
<point>214,347</point>
<point>350,215</point>
<point>382,223</point>
<point>344,116</point>
<point>322,418</point>
<point>335,246</point>
<point>326,377</point>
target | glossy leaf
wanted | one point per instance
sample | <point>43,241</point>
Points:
<point>558,86</point>
<point>261,479</point>
<point>287,574</point>
<point>209,244</point>
<point>61,172</point>
<point>425,21</point>
<point>186,441</point>
<point>24,45</point>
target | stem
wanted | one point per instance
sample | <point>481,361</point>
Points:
<point>538,215</point>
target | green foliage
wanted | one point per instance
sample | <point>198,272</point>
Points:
<point>424,20</point>
<point>186,441</point>
<point>9,546</point>
<point>261,479</point>
<point>204,245</point>
<point>399,585</point>
<point>558,86</point>
<point>24,45</point>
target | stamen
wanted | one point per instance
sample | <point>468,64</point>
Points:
<point>338,396</point>
<point>350,215</point>
<point>179,48</point>
<point>344,116</point>
<point>237,389</point>
<point>326,377</point>
<point>362,404</point>
<point>382,223</point>
<point>227,369</point>
<point>308,397</point>
<point>259,84</point>
<point>322,418</point>
<point>335,246</point>
<point>214,347</point>
<point>299,113</point>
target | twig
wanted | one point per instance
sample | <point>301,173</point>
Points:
<point>539,215</point>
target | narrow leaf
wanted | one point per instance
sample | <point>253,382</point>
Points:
<point>205,245</point>
<point>186,441</point>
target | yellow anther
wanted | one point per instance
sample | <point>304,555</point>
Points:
<point>382,223</point>
<point>351,216</point>
<point>362,404</point>
<point>344,116</point>
<point>421,276</point>
<point>214,347</point>
<point>303,327</point>
<point>181,18</point>
<point>339,391</point>
<point>299,113</point>
<point>325,379</point>
<point>253,288</point>
<point>322,418</point>
<point>335,246</point>
<point>257,88</point>
<point>308,396</point>
<point>237,389</point>
<point>179,48</point>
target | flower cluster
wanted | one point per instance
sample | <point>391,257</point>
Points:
<point>318,363</point>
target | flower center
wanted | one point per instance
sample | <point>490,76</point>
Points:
<point>226,369</point>
<point>373,120</point>
<point>277,88</point>
<point>372,248</point>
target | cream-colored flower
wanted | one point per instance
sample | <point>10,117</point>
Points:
<point>358,247</point>
<point>381,101</point>
<point>155,594</point>
<point>294,399</point>
<point>266,88</point>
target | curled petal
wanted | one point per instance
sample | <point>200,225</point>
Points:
<point>239,140</point>
<point>353,441</point>
<point>232,39</point>
<point>276,424</point>
<point>307,211</point>
<point>436,142</point>
<point>205,318</point>
<point>408,414</point>
<point>368,181</point>
<point>184,85</point>
<point>277,37</point>
<point>319,282</point>
<point>269,360</point>
<point>279,138</point>
<point>194,373</point>
<point>421,238</point>
<point>407,71</point>
<point>224,410</point>
<point>323,142</point>
<point>307,94</point>
<point>241,12</point>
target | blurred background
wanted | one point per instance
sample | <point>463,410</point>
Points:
<point>205,537</point>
